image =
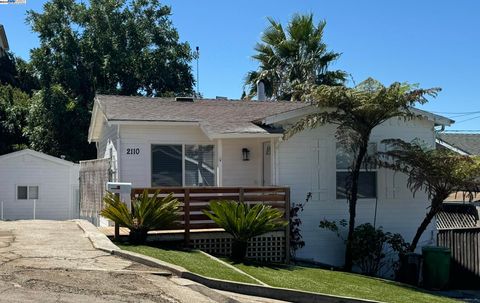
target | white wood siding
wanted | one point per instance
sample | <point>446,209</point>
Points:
<point>57,185</point>
<point>137,168</point>
<point>237,172</point>
<point>306,163</point>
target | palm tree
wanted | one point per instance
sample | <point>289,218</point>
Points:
<point>356,112</point>
<point>292,59</point>
<point>244,222</point>
<point>438,172</point>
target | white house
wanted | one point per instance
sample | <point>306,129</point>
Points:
<point>184,142</point>
<point>36,185</point>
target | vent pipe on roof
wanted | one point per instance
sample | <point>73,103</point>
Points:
<point>261,91</point>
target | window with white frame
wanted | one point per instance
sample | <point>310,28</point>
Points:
<point>27,192</point>
<point>367,181</point>
<point>177,165</point>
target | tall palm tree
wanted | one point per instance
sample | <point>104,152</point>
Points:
<point>292,59</point>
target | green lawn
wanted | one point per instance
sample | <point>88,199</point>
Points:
<point>193,261</point>
<point>296,277</point>
<point>339,283</point>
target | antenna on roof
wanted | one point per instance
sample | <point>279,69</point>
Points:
<point>197,56</point>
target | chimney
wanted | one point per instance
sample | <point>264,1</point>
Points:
<point>261,91</point>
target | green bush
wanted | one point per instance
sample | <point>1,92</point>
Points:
<point>244,222</point>
<point>148,213</point>
<point>373,249</point>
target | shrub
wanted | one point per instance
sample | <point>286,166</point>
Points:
<point>244,222</point>
<point>373,249</point>
<point>148,213</point>
<point>296,239</point>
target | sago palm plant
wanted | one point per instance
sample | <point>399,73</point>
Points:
<point>244,222</point>
<point>148,213</point>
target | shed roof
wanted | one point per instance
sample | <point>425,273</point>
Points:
<point>467,142</point>
<point>37,155</point>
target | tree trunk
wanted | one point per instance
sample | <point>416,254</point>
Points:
<point>352,204</point>
<point>423,226</point>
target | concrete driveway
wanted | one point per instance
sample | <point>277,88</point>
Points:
<point>53,261</point>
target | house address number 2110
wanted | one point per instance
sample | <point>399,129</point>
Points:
<point>133,151</point>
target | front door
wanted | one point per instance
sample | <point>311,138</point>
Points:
<point>267,164</point>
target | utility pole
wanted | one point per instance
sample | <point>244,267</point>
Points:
<point>197,56</point>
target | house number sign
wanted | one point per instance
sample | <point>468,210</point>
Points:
<point>133,151</point>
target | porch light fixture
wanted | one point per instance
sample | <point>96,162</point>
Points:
<point>245,154</point>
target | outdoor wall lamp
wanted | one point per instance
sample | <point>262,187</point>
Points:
<point>245,154</point>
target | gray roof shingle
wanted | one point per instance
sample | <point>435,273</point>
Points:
<point>214,116</point>
<point>467,142</point>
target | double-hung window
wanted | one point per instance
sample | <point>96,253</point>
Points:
<point>25,192</point>
<point>178,165</point>
<point>367,181</point>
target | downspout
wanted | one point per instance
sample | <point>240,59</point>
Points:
<point>119,155</point>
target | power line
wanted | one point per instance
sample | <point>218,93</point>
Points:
<point>476,117</point>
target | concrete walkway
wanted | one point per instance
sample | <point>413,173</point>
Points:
<point>52,261</point>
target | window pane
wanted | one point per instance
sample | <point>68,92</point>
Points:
<point>22,192</point>
<point>344,157</point>
<point>33,192</point>
<point>367,185</point>
<point>199,166</point>
<point>167,165</point>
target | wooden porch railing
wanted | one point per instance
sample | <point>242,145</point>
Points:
<point>196,199</point>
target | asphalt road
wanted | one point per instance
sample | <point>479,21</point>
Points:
<point>52,261</point>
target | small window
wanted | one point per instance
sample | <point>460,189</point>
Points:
<point>22,192</point>
<point>33,192</point>
<point>367,181</point>
<point>27,192</point>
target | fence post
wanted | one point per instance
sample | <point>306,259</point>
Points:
<point>287,229</point>
<point>241,195</point>
<point>34,208</point>
<point>2,211</point>
<point>186,215</point>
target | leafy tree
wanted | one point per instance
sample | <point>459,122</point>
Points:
<point>148,213</point>
<point>292,59</point>
<point>244,222</point>
<point>52,122</point>
<point>111,47</point>
<point>13,110</point>
<point>18,73</point>
<point>438,172</point>
<point>356,112</point>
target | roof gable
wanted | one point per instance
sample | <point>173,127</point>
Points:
<point>38,155</point>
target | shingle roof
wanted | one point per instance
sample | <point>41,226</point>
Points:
<point>457,215</point>
<point>214,116</point>
<point>468,142</point>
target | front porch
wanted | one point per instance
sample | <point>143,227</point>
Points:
<point>196,230</point>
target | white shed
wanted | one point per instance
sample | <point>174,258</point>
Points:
<point>34,185</point>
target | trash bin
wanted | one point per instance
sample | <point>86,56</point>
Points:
<point>409,268</point>
<point>436,267</point>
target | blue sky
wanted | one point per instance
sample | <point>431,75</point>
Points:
<point>432,43</point>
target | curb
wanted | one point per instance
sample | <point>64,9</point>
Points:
<point>276,293</point>
<point>98,239</point>
<point>101,242</point>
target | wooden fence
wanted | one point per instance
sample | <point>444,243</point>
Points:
<point>196,199</point>
<point>464,244</point>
